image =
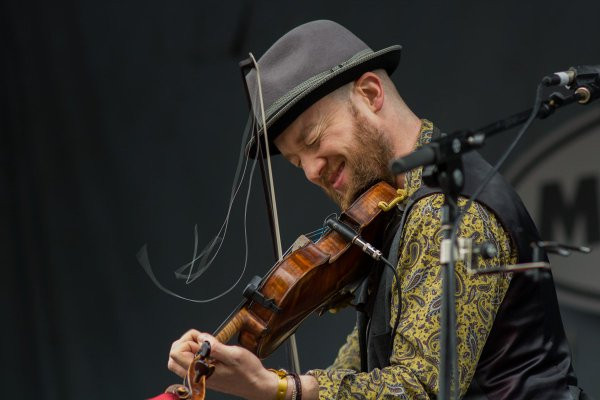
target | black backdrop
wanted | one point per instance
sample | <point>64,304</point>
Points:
<point>121,123</point>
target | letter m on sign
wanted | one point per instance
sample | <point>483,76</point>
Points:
<point>557,211</point>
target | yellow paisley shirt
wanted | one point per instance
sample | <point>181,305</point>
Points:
<point>413,373</point>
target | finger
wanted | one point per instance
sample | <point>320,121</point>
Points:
<point>176,368</point>
<point>216,351</point>
<point>206,337</point>
<point>183,353</point>
<point>183,360</point>
<point>189,336</point>
<point>184,347</point>
<point>228,355</point>
<point>190,346</point>
<point>192,335</point>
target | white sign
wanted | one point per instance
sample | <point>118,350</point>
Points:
<point>559,182</point>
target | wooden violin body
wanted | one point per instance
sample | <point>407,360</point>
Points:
<point>307,279</point>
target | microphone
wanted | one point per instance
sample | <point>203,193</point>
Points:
<point>562,78</point>
<point>580,75</point>
<point>426,155</point>
<point>353,237</point>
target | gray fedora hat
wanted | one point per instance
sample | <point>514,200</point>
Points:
<point>304,65</point>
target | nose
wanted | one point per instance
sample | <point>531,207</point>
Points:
<point>314,168</point>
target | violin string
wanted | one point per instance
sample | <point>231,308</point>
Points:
<point>268,158</point>
<point>187,281</point>
<point>144,261</point>
<point>234,191</point>
<point>313,236</point>
<point>204,264</point>
<point>143,257</point>
<point>316,234</point>
<point>291,343</point>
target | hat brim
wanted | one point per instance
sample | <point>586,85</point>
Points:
<point>387,59</point>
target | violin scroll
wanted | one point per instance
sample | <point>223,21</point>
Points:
<point>200,369</point>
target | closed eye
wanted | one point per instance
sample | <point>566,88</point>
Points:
<point>315,138</point>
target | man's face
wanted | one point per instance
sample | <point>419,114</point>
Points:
<point>339,150</point>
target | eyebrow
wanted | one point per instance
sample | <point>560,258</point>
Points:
<point>299,141</point>
<point>320,126</point>
<point>305,132</point>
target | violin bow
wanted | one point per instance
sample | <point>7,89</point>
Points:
<point>269,186</point>
<point>201,367</point>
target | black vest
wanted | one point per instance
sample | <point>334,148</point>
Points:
<point>526,354</point>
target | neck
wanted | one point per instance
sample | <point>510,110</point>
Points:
<point>405,135</point>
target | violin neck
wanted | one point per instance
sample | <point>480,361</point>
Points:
<point>232,326</point>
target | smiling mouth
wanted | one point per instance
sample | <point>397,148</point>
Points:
<point>336,179</point>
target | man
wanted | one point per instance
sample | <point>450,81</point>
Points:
<point>332,111</point>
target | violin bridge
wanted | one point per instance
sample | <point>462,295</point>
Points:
<point>300,242</point>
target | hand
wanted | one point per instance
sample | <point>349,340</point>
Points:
<point>237,370</point>
<point>182,352</point>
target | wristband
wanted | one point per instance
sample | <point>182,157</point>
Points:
<point>297,385</point>
<point>283,384</point>
<point>294,391</point>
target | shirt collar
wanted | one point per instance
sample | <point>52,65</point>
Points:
<point>413,177</point>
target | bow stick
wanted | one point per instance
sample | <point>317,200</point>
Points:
<point>271,201</point>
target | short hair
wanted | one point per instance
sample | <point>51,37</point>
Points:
<point>343,93</point>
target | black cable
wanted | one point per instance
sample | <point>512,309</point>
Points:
<point>389,265</point>
<point>494,170</point>
<point>353,237</point>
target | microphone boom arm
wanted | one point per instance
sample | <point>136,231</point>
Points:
<point>449,147</point>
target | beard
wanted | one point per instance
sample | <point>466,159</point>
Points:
<point>366,163</point>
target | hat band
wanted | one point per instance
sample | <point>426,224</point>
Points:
<point>288,100</point>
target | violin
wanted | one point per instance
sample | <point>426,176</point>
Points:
<point>315,276</point>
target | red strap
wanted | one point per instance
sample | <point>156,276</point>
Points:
<point>165,396</point>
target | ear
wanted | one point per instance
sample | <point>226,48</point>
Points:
<point>369,88</point>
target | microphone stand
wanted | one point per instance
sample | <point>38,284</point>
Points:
<point>449,177</point>
<point>442,162</point>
